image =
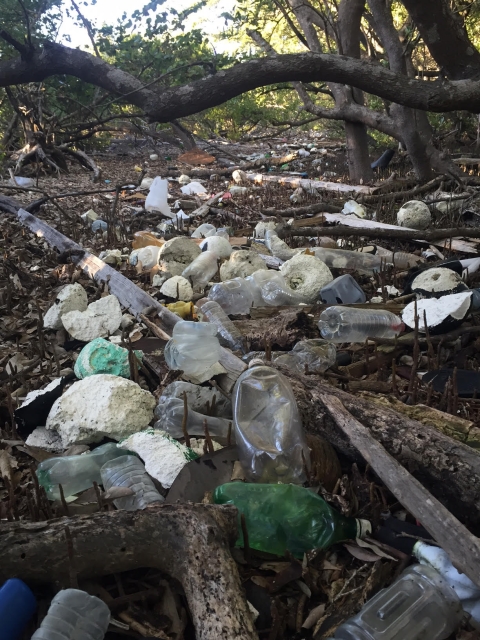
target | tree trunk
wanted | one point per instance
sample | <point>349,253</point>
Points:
<point>449,469</point>
<point>190,542</point>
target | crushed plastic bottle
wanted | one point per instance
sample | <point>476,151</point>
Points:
<point>269,288</point>
<point>318,355</point>
<point>146,239</point>
<point>74,614</point>
<point>148,256</point>
<point>345,324</point>
<point>343,290</point>
<point>234,296</point>
<point>202,269</point>
<point>204,231</point>
<point>399,259</point>
<point>75,473</point>
<point>227,331</point>
<point>286,517</point>
<point>157,197</point>
<point>129,472</point>
<point>268,429</point>
<point>169,416</point>
<point>364,263</point>
<point>17,606</point>
<point>193,348</point>
<point>419,605</point>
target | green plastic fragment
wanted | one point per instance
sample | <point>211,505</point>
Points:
<point>102,356</point>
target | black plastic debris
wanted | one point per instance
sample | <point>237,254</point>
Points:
<point>467,381</point>
<point>384,160</point>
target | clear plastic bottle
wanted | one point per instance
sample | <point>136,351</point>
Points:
<point>342,259</point>
<point>319,355</point>
<point>419,605</point>
<point>169,416</point>
<point>234,296</point>
<point>273,289</point>
<point>74,615</point>
<point>75,473</point>
<point>129,472</point>
<point>343,290</point>
<point>281,517</point>
<point>204,231</point>
<point>344,324</point>
<point>228,332</point>
<point>268,429</point>
<point>193,348</point>
<point>202,269</point>
<point>400,259</point>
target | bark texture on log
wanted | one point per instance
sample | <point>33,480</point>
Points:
<point>283,330</point>
<point>462,547</point>
<point>448,469</point>
<point>189,542</point>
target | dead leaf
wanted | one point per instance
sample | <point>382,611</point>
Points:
<point>361,554</point>
<point>196,156</point>
<point>7,463</point>
<point>114,493</point>
<point>314,616</point>
<point>374,548</point>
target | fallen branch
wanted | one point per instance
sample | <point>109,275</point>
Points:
<point>462,547</point>
<point>189,542</point>
<point>295,182</point>
<point>450,470</point>
<point>295,212</point>
<point>397,234</point>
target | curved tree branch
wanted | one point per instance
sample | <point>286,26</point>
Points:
<point>178,102</point>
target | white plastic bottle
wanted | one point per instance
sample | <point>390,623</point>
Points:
<point>202,269</point>
<point>129,472</point>
<point>234,296</point>
<point>74,615</point>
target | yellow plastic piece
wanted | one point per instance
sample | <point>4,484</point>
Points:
<point>182,309</point>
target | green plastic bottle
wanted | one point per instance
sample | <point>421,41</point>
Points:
<point>281,517</point>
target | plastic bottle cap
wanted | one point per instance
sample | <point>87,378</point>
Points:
<point>256,362</point>
<point>364,528</point>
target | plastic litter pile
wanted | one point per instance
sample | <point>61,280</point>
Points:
<point>130,424</point>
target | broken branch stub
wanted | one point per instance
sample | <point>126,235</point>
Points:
<point>189,542</point>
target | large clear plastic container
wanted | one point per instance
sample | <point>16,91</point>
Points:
<point>227,331</point>
<point>75,473</point>
<point>268,429</point>
<point>420,605</point>
<point>344,324</point>
<point>193,348</point>
<point>129,472</point>
<point>169,416</point>
<point>343,290</point>
<point>202,270</point>
<point>234,296</point>
<point>74,615</point>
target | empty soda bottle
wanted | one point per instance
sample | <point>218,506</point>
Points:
<point>319,355</point>
<point>169,416</point>
<point>129,472</point>
<point>419,605</point>
<point>74,615</point>
<point>75,473</point>
<point>268,429</point>
<point>286,517</point>
<point>234,296</point>
<point>344,324</point>
<point>17,606</point>
<point>148,256</point>
<point>193,348</point>
<point>201,270</point>
<point>343,290</point>
<point>227,331</point>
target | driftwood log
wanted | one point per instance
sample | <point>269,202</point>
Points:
<point>462,547</point>
<point>189,542</point>
<point>450,470</point>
